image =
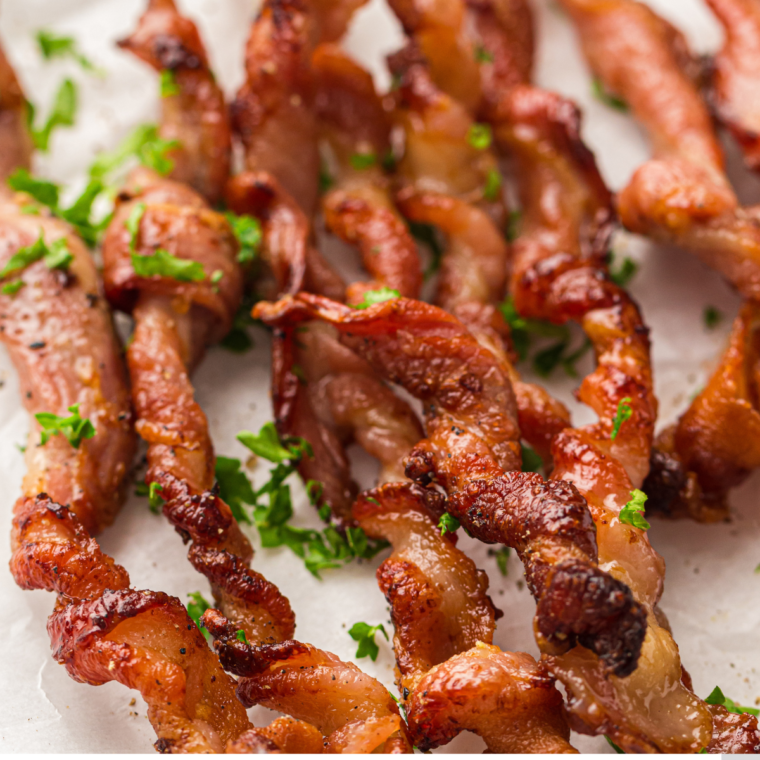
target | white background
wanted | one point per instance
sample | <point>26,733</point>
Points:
<point>711,591</point>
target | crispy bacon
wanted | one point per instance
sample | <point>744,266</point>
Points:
<point>196,114</point>
<point>733,734</point>
<point>733,74</point>
<point>354,712</point>
<point>283,735</point>
<point>15,141</point>
<point>472,451</point>
<point>101,631</point>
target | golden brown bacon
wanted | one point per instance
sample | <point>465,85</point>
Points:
<point>102,631</point>
<point>734,73</point>
<point>15,142</point>
<point>733,734</point>
<point>60,336</point>
<point>452,680</point>
<point>359,208</point>
<point>716,443</point>
<point>193,109</point>
<point>354,712</point>
<point>473,452</point>
<point>283,735</point>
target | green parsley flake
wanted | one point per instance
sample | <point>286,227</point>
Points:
<point>373,297</point>
<point>513,225</point>
<point>133,222</point>
<point>12,287</point>
<point>266,444</point>
<point>163,264</point>
<point>601,94</point>
<point>633,512</point>
<point>56,256</point>
<point>169,84</point>
<point>483,54</point>
<point>241,637</point>
<point>74,428</point>
<point>360,161</point>
<point>365,635</point>
<point>712,317</point>
<point>531,461</point>
<point>196,608</point>
<point>62,114</point>
<point>426,235</point>
<point>247,230</point>
<point>155,500</point>
<point>492,187</point>
<point>479,136</point>
<point>718,698</point>
<point>614,746</point>
<point>448,524</point>
<point>234,488</point>
<point>625,273</point>
<point>502,558</point>
<point>52,46</point>
<point>237,339</point>
<point>622,414</point>
<point>144,144</point>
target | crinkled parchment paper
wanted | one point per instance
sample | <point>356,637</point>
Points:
<point>712,592</point>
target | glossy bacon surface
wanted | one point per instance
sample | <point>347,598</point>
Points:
<point>101,631</point>
<point>194,113</point>
<point>354,712</point>
<point>472,451</point>
<point>15,141</point>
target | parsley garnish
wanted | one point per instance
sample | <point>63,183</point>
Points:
<point>163,264</point>
<point>426,234</point>
<point>622,414</point>
<point>614,746</point>
<point>633,512</point>
<point>448,524</point>
<point>513,225</point>
<point>12,287</point>
<point>502,558</point>
<point>625,273</point>
<point>52,46</point>
<point>365,635</point>
<point>133,224</point>
<point>381,295</point>
<point>234,488</point>
<point>240,636</point>
<point>145,145</point>
<point>247,230</point>
<point>492,187</point>
<point>237,339</point>
<point>74,427</point>
<point>479,136</point>
<point>325,180</point>
<point>718,698</point>
<point>712,317</point>
<point>169,84</point>
<point>195,609</point>
<point>483,54</point>
<point>62,114</point>
<point>601,94</point>
<point>531,462</point>
<point>523,330</point>
<point>155,500</point>
<point>361,161</point>
<point>56,256</point>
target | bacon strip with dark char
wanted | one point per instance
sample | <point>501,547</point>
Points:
<point>352,711</point>
<point>451,677</point>
<point>193,109</point>
<point>472,451</point>
<point>733,74</point>
<point>174,322</point>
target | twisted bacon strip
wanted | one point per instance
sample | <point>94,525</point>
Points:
<point>473,452</point>
<point>15,141</point>
<point>354,712</point>
<point>733,74</point>
<point>450,675</point>
<point>174,321</point>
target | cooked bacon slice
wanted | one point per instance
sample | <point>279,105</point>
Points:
<point>359,208</point>
<point>15,141</point>
<point>733,734</point>
<point>354,712</point>
<point>60,336</point>
<point>734,73</point>
<point>473,452</point>
<point>196,114</point>
<point>102,631</point>
<point>716,443</point>
<point>281,736</point>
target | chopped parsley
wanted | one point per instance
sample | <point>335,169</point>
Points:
<point>502,558</point>
<point>241,637</point>
<point>365,635</point>
<point>74,428</point>
<point>712,317</point>
<point>52,46</point>
<point>326,180</point>
<point>247,230</point>
<point>234,488</point>
<point>531,462</point>
<point>479,136</point>
<point>12,287</point>
<point>426,234</point>
<point>237,339</point>
<point>614,746</point>
<point>196,608</point>
<point>448,524</point>
<point>381,295</point>
<point>169,84</point>
<point>633,512</point>
<point>600,93</point>
<point>133,224</point>
<point>492,188</point>
<point>622,414</point>
<point>513,225</point>
<point>56,256</point>
<point>624,273</point>
<point>717,697</point>
<point>524,330</point>
<point>144,144</point>
<point>361,161</point>
<point>483,54</point>
<point>62,114</point>
<point>155,500</point>
<point>164,264</point>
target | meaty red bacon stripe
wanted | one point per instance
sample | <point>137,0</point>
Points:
<point>451,676</point>
<point>175,319</point>
<point>473,453</point>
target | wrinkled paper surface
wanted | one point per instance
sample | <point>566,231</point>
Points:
<point>711,591</point>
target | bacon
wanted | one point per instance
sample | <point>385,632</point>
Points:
<point>101,631</point>
<point>283,735</point>
<point>359,208</point>
<point>733,734</point>
<point>733,74</point>
<point>60,337</point>
<point>354,712</point>
<point>196,115</point>
<point>15,141</point>
<point>716,442</point>
<point>472,451</point>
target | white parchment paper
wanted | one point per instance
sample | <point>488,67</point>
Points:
<point>712,593</point>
